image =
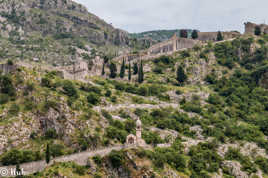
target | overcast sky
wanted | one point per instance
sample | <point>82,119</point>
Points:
<point>204,15</point>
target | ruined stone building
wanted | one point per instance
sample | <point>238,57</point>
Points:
<point>6,68</point>
<point>78,70</point>
<point>250,28</point>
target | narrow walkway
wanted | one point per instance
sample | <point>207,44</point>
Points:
<point>79,158</point>
<point>135,106</point>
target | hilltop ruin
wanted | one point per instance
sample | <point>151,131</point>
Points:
<point>250,28</point>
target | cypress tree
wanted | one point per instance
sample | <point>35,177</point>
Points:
<point>113,70</point>
<point>122,70</point>
<point>219,36</point>
<point>181,76</point>
<point>129,71</point>
<point>135,68</point>
<point>195,34</point>
<point>106,59</point>
<point>47,154</point>
<point>257,30</point>
<point>140,74</point>
<point>103,69</point>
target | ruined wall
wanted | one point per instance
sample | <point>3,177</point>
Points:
<point>5,68</point>
<point>250,28</point>
<point>212,36</point>
<point>77,71</point>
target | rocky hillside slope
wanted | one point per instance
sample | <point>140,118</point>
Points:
<point>208,105</point>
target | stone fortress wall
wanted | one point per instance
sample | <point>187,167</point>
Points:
<point>164,48</point>
<point>212,36</point>
<point>80,69</point>
<point>175,44</point>
<point>250,28</point>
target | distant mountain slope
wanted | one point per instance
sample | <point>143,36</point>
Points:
<point>61,18</point>
<point>48,29</point>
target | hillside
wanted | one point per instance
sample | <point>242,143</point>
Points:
<point>205,106</point>
<point>51,30</point>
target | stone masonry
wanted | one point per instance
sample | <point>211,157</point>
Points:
<point>250,28</point>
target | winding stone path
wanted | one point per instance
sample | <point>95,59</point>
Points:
<point>135,106</point>
<point>79,158</point>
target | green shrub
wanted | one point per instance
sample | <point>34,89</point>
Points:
<point>6,85</point>
<point>263,164</point>
<point>28,88</point>
<point>114,99</point>
<point>89,88</point>
<point>130,125</point>
<point>115,133</point>
<point>143,91</point>
<point>107,115</point>
<point>69,89</point>
<point>152,138</point>
<point>14,110</point>
<point>158,70</point>
<point>13,157</point>
<point>3,98</point>
<point>97,159</point>
<point>56,150</point>
<point>116,158</point>
<point>10,62</point>
<point>179,92</point>
<point>93,98</point>
<point>132,89</point>
<point>47,104</point>
<point>166,60</point>
<point>120,86</point>
<point>159,160</point>
<point>185,54</point>
<point>204,158</point>
<point>215,99</point>
<point>51,134</point>
<point>108,93</point>
<point>45,82</point>
<point>192,107</point>
<point>97,175</point>
<point>80,170</point>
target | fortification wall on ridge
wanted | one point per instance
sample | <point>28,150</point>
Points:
<point>250,28</point>
<point>212,36</point>
<point>163,48</point>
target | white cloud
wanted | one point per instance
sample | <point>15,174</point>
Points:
<point>205,15</point>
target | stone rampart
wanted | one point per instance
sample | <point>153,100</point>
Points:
<point>250,28</point>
